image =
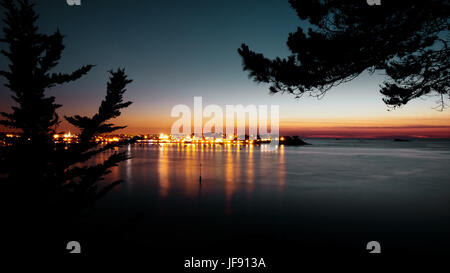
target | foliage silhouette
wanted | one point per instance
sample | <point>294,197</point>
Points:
<point>409,40</point>
<point>41,180</point>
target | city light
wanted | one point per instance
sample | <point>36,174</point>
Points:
<point>230,140</point>
<point>161,138</point>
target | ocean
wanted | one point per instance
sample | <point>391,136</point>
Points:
<point>328,197</point>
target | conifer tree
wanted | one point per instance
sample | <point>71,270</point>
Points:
<point>41,180</point>
<point>408,40</point>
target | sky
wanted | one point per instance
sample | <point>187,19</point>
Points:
<point>175,50</point>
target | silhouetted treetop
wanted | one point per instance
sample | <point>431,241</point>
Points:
<point>409,40</point>
<point>52,178</point>
<point>32,56</point>
<point>109,108</point>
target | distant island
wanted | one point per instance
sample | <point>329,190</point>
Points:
<point>401,140</point>
<point>294,141</point>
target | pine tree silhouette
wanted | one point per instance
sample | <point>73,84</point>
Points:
<point>407,39</point>
<point>42,181</point>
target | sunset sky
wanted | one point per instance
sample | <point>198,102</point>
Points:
<point>175,50</point>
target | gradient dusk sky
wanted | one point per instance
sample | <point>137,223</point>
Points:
<point>175,50</point>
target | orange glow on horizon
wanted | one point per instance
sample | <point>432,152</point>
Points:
<point>417,127</point>
<point>436,125</point>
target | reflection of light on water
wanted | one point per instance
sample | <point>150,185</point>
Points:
<point>237,166</point>
<point>250,170</point>
<point>163,172</point>
<point>128,172</point>
<point>228,170</point>
<point>230,183</point>
<point>191,166</point>
<point>281,168</point>
<point>115,173</point>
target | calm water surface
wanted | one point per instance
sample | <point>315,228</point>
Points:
<point>340,193</point>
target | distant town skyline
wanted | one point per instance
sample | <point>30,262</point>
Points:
<point>177,50</point>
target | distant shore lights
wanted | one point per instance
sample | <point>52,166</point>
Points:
<point>235,129</point>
